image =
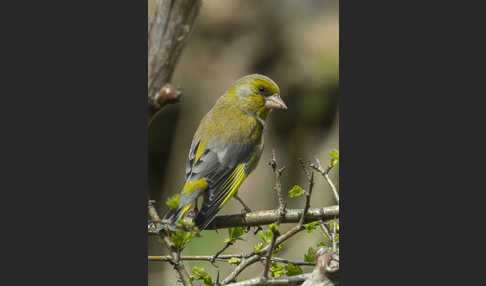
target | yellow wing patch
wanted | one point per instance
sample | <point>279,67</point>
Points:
<point>200,150</point>
<point>233,183</point>
<point>191,187</point>
<point>185,210</point>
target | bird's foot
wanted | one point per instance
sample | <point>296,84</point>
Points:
<point>245,210</point>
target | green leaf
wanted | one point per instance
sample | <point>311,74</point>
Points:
<point>185,221</point>
<point>234,260</point>
<point>173,202</point>
<point>278,248</point>
<point>235,232</point>
<point>292,270</point>
<point>207,281</point>
<point>311,226</point>
<point>181,237</point>
<point>258,247</point>
<point>331,224</point>
<point>335,154</point>
<point>322,243</point>
<point>199,273</point>
<point>273,227</point>
<point>276,270</point>
<point>296,191</point>
<point>310,255</point>
<point>267,236</point>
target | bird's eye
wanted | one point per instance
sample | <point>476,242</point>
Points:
<point>261,88</point>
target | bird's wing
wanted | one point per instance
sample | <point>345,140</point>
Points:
<point>223,162</point>
<point>223,181</point>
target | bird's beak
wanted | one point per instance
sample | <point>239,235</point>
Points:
<point>275,102</point>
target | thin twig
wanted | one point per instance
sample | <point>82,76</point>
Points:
<point>334,233</point>
<point>281,209</point>
<point>310,179</point>
<point>325,174</point>
<point>228,244</point>
<point>255,256</point>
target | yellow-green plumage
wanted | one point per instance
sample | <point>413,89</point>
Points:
<point>227,146</point>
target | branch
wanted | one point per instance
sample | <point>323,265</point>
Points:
<point>292,280</point>
<point>325,174</point>
<point>310,178</point>
<point>178,265</point>
<point>228,244</point>
<point>326,272</point>
<point>281,211</point>
<point>254,257</point>
<point>265,217</point>
<point>225,258</point>
<point>167,36</point>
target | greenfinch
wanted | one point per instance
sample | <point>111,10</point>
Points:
<point>226,148</point>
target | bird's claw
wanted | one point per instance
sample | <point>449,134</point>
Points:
<point>245,211</point>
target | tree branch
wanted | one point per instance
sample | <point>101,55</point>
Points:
<point>292,280</point>
<point>167,36</point>
<point>266,217</point>
<point>254,257</point>
<point>178,265</point>
<point>310,179</point>
<point>225,258</point>
<point>326,272</point>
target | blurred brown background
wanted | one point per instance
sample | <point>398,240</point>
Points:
<point>296,44</point>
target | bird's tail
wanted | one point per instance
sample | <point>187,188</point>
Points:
<point>173,215</point>
<point>202,220</point>
<point>206,214</point>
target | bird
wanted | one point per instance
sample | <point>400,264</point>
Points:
<point>226,148</point>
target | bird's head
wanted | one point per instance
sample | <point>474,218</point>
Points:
<point>257,95</point>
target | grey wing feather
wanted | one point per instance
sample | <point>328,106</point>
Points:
<point>217,191</point>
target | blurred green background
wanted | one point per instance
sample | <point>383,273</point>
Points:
<point>296,44</point>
